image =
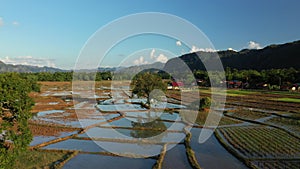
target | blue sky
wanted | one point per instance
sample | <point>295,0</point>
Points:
<point>52,32</point>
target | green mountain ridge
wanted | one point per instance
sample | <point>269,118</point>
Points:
<point>271,57</point>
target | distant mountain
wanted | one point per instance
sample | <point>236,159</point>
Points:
<point>24,68</point>
<point>107,69</point>
<point>139,68</point>
<point>271,57</point>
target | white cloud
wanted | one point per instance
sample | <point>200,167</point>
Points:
<point>178,43</point>
<point>196,49</point>
<point>161,58</point>
<point>231,49</point>
<point>152,56</point>
<point>1,22</point>
<point>140,61</point>
<point>28,60</point>
<point>15,23</point>
<point>253,45</point>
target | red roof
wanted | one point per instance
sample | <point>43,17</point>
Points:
<point>177,84</point>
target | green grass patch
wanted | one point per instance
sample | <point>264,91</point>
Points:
<point>233,93</point>
<point>285,99</point>
<point>241,92</point>
<point>282,93</point>
<point>39,159</point>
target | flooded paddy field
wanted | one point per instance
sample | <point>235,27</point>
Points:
<point>112,130</point>
<point>91,161</point>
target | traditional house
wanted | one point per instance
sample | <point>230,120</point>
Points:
<point>234,84</point>
<point>175,85</point>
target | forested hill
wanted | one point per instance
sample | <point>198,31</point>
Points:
<point>271,57</point>
<point>24,68</point>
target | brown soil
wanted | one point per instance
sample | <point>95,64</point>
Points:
<point>44,130</point>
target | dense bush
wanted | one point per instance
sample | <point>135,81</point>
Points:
<point>15,106</point>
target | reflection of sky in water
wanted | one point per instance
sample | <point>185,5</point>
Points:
<point>120,107</point>
<point>126,134</point>
<point>73,144</point>
<point>127,123</point>
<point>91,161</point>
<point>176,158</point>
<point>209,151</point>
<point>99,146</point>
<point>44,113</point>
<point>148,116</point>
<point>41,139</point>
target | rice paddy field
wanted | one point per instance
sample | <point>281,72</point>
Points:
<point>106,128</point>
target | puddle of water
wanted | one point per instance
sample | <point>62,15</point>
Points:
<point>127,123</point>
<point>171,116</point>
<point>127,134</point>
<point>176,158</point>
<point>129,148</point>
<point>91,161</point>
<point>145,116</point>
<point>61,94</point>
<point>120,107</point>
<point>73,144</point>
<point>114,147</point>
<point>136,100</point>
<point>53,103</point>
<point>123,122</point>
<point>212,154</point>
<point>43,113</point>
<point>42,139</point>
<point>174,126</point>
<point>133,116</point>
<point>170,106</point>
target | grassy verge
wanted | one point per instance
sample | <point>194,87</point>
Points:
<point>160,160</point>
<point>233,93</point>
<point>285,99</point>
<point>189,151</point>
<point>42,159</point>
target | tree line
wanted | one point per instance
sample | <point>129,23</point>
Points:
<point>273,78</point>
<point>250,78</point>
<point>68,76</point>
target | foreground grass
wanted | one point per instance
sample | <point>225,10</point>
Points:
<point>39,159</point>
<point>285,99</point>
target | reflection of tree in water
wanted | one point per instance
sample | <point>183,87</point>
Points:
<point>149,129</point>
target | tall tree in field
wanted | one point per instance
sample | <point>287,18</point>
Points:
<point>15,106</point>
<point>144,83</point>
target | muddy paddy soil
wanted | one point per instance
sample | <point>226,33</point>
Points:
<point>99,128</point>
